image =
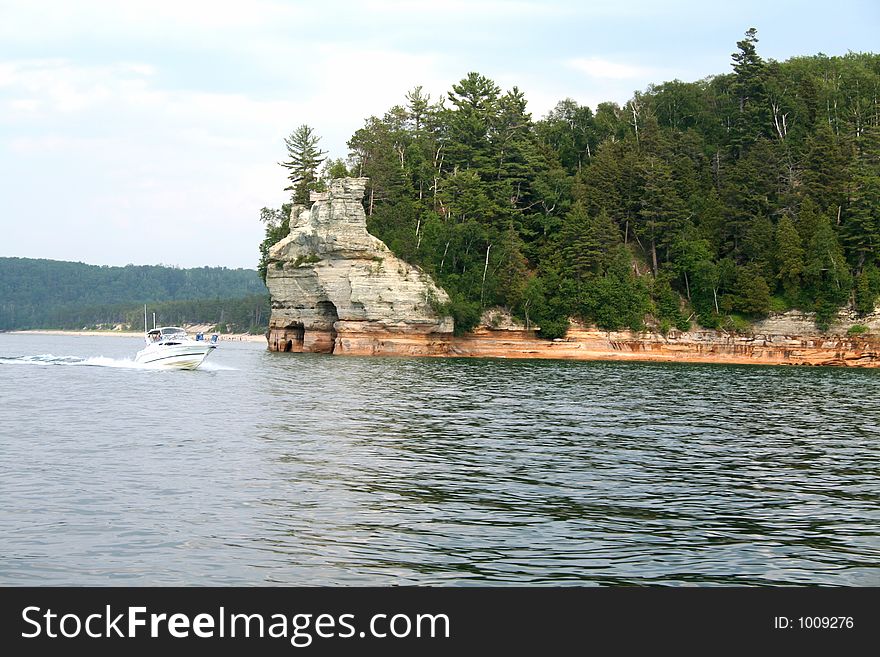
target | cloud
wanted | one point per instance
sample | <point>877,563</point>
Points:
<point>596,67</point>
<point>125,151</point>
<point>460,8</point>
<point>57,85</point>
<point>158,18</point>
<point>55,143</point>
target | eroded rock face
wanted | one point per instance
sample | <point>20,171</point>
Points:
<point>795,322</point>
<point>332,283</point>
<point>589,343</point>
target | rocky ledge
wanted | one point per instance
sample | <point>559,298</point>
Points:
<point>335,288</point>
<point>702,346</point>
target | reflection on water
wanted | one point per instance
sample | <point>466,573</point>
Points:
<point>302,469</point>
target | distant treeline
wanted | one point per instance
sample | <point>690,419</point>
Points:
<point>246,315</point>
<point>71,295</point>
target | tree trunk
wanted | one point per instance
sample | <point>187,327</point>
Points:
<point>485,269</point>
<point>635,121</point>
<point>443,259</point>
<point>654,256</point>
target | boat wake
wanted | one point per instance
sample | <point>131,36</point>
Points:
<point>208,366</point>
<point>94,361</point>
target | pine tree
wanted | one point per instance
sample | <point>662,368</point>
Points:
<point>587,242</point>
<point>861,221</point>
<point>662,214</point>
<point>304,158</point>
<point>513,144</point>
<point>752,294</point>
<point>867,289</point>
<point>468,125</point>
<point>570,130</point>
<point>826,275</point>
<point>789,257</point>
<point>758,245</point>
<point>748,89</point>
<point>825,167</point>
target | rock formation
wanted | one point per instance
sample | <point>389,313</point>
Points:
<point>335,288</point>
<point>701,346</point>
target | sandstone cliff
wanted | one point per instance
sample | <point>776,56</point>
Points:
<point>701,346</point>
<point>335,288</point>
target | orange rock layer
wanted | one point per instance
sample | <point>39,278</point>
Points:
<point>588,344</point>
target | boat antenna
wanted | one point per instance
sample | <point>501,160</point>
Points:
<point>154,320</point>
<point>145,319</point>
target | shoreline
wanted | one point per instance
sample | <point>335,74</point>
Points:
<point>580,344</point>
<point>224,337</point>
<point>711,347</point>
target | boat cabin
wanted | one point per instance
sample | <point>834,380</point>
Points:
<point>166,334</point>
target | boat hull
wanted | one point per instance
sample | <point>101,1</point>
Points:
<point>179,356</point>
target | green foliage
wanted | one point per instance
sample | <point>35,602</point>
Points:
<point>303,159</point>
<point>827,278</point>
<point>749,94</point>
<point>789,257</point>
<point>752,294</point>
<point>334,169</point>
<point>667,305</point>
<point>586,242</point>
<point>857,329</point>
<point>466,314</point>
<point>277,228</point>
<point>617,299</point>
<point>554,327</point>
<point>867,289</point>
<point>779,304</point>
<point>737,324</point>
<point>744,193</point>
<point>306,260</point>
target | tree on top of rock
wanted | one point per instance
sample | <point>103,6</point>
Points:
<point>303,159</point>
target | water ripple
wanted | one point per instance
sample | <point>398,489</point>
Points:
<point>301,469</point>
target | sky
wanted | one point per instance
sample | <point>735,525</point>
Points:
<point>149,132</point>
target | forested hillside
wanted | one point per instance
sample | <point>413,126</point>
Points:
<point>53,294</point>
<point>713,201</point>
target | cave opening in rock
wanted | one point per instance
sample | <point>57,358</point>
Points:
<point>295,336</point>
<point>329,315</point>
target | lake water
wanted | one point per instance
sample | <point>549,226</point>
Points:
<point>318,470</point>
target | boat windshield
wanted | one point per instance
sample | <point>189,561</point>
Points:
<point>172,332</point>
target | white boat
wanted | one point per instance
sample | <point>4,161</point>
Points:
<point>170,346</point>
